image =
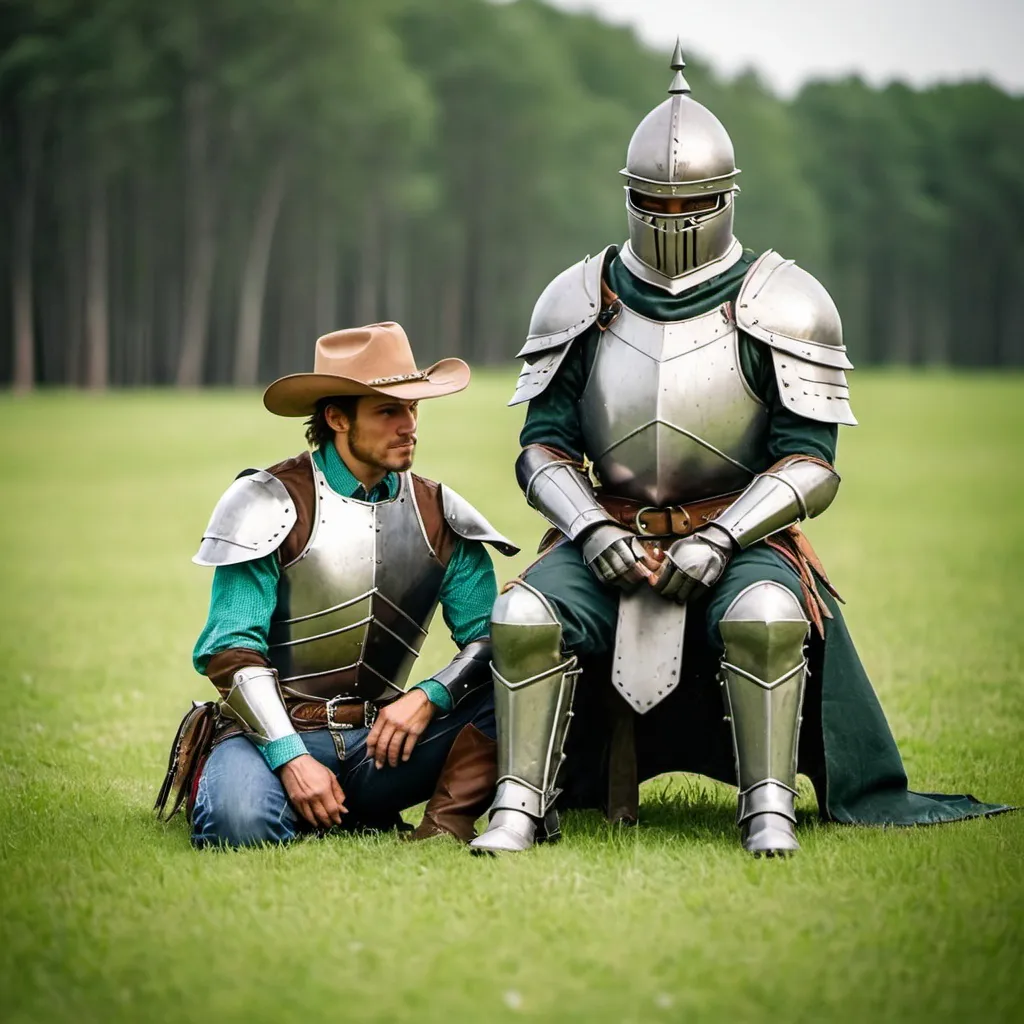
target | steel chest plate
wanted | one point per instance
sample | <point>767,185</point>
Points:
<point>667,414</point>
<point>353,609</point>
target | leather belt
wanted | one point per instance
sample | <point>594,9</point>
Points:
<point>670,521</point>
<point>336,713</point>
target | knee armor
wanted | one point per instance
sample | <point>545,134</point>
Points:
<point>764,670</point>
<point>533,690</point>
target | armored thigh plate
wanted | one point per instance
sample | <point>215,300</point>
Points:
<point>667,414</point>
<point>354,607</point>
<point>763,672</point>
<point>533,690</point>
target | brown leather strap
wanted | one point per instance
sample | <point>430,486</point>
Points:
<point>672,521</point>
<point>347,714</point>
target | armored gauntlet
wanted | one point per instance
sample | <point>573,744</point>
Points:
<point>562,494</point>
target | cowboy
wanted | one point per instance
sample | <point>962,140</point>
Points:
<point>328,568</point>
<point>705,387</point>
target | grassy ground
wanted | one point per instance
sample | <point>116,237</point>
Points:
<point>107,915</point>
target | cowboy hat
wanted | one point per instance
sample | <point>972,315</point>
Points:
<point>372,360</point>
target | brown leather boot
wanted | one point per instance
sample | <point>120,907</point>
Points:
<point>464,789</point>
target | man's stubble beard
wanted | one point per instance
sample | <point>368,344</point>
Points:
<point>370,458</point>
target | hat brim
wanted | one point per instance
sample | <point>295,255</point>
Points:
<point>298,393</point>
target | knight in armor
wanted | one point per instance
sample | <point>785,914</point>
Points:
<point>328,569</point>
<point>684,399</point>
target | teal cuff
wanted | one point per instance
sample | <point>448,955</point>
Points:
<point>281,751</point>
<point>436,694</point>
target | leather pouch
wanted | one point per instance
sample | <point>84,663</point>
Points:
<point>191,745</point>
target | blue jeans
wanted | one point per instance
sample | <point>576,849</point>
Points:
<point>241,802</point>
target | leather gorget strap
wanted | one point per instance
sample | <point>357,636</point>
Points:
<point>672,521</point>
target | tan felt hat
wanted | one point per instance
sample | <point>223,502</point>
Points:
<point>372,360</point>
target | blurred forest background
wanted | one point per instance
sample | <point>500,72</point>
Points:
<point>190,192</point>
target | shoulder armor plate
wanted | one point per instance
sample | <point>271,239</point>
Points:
<point>470,524</point>
<point>787,309</point>
<point>251,519</point>
<point>565,309</point>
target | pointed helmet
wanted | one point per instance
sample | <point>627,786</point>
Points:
<point>680,179</point>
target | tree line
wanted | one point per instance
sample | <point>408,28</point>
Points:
<point>190,193</point>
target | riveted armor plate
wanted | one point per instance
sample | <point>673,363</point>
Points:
<point>354,607</point>
<point>787,309</point>
<point>251,520</point>
<point>565,309</point>
<point>667,414</point>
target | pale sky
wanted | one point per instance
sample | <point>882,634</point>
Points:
<point>788,41</point>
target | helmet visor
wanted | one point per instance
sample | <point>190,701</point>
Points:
<point>696,207</point>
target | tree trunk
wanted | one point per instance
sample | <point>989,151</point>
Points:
<point>200,242</point>
<point>254,277</point>
<point>450,317</point>
<point>396,263</point>
<point>97,289</point>
<point>368,256</point>
<point>22,285</point>
<point>326,300</point>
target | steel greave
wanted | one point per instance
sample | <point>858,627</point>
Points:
<point>533,691</point>
<point>764,671</point>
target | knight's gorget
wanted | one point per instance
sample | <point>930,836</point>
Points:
<point>667,415</point>
<point>354,607</point>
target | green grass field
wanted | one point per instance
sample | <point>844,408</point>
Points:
<point>107,915</point>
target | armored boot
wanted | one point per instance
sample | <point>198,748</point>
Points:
<point>533,689</point>
<point>464,789</point>
<point>764,670</point>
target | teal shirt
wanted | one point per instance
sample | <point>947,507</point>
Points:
<point>244,596</point>
<point>553,419</point>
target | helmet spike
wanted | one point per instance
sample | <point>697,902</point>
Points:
<point>677,63</point>
<point>679,84</point>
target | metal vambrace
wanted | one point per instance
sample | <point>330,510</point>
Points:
<point>467,671</point>
<point>557,489</point>
<point>255,701</point>
<point>797,489</point>
<point>763,674</point>
<point>533,691</point>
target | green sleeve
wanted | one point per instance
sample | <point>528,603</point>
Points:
<point>468,592</point>
<point>553,417</point>
<point>788,433</point>
<point>467,596</point>
<point>242,601</point>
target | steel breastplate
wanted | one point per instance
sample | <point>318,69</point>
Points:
<point>667,414</point>
<point>354,607</point>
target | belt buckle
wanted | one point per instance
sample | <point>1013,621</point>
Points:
<point>369,714</point>
<point>637,525</point>
<point>330,706</point>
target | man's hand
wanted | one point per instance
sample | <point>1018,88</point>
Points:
<point>616,557</point>
<point>398,727</point>
<point>694,564</point>
<point>313,791</point>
